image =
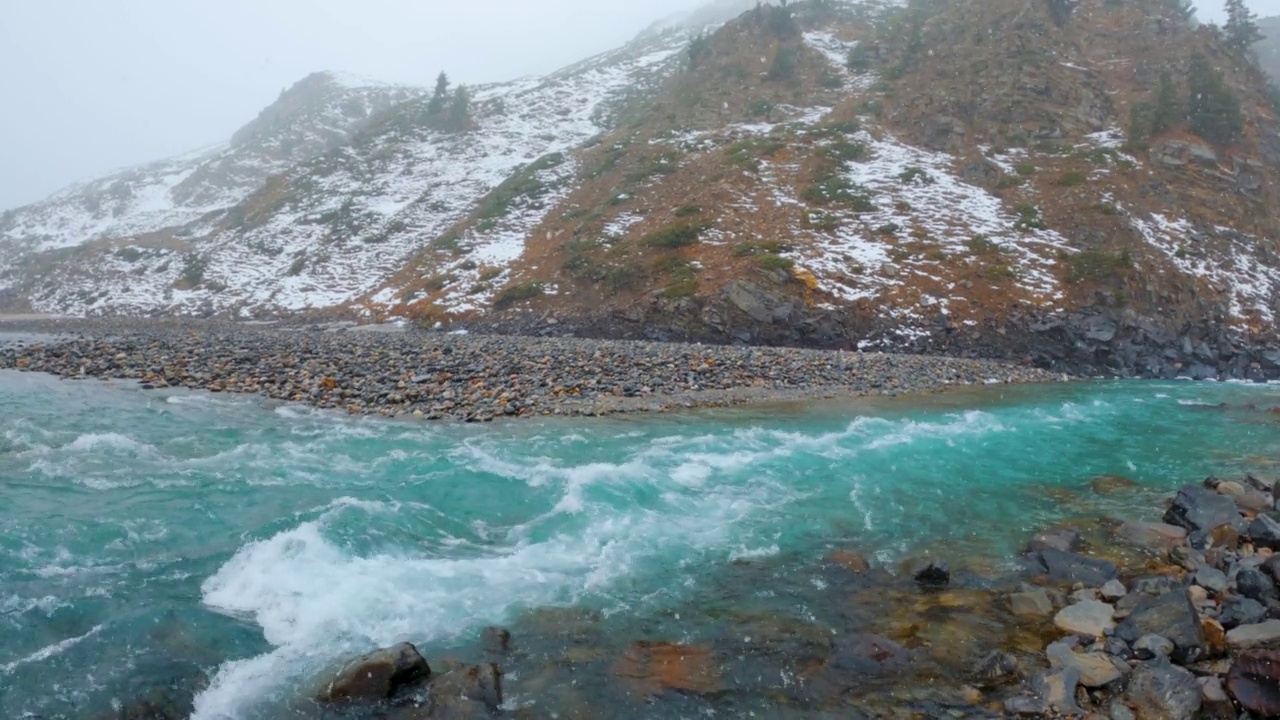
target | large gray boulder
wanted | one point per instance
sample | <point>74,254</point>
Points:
<point>1198,509</point>
<point>1170,616</point>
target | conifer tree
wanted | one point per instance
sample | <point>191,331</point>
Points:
<point>460,110</point>
<point>440,98</point>
<point>1213,111</point>
<point>1242,26</point>
<point>1168,109</point>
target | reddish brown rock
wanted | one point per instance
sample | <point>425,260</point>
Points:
<point>849,560</point>
<point>1254,681</point>
<point>653,668</point>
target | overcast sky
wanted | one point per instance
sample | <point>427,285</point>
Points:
<point>88,86</point>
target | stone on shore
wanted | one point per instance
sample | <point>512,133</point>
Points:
<point>1241,611</point>
<point>377,676</point>
<point>1198,509</point>
<point>1264,531</point>
<point>1086,618</point>
<point>1160,537</point>
<point>1254,681</point>
<point>1095,669</point>
<point>1113,590</point>
<point>1160,689</point>
<point>1070,568</point>
<point>1031,604</point>
<point>1170,616</point>
<point>1245,637</point>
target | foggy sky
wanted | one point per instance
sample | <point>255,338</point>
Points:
<point>89,86</point>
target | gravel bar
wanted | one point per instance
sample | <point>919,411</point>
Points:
<point>435,376</point>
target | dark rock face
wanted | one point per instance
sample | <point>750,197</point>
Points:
<point>1256,585</point>
<point>934,576</point>
<point>1170,616</point>
<point>1254,681</point>
<point>1200,510</point>
<point>377,676</point>
<point>1070,568</point>
<point>1265,532</point>
<point>1160,689</point>
<point>1241,611</point>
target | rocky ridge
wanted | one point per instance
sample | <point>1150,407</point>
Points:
<point>846,175</point>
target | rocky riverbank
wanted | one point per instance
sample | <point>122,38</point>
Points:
<point>405,373</point>
<point>1113,620</point>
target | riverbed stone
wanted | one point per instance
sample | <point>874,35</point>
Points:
<point>1160,537</point>
<point>650,668</point>
<point>1090,617</point>
<point>1160,689</point>
<point>1254,681</point>
<point>1264,531</point>
<point>1214,702</point>
<point>1031,604</point>
<point>1152,646</point>
<point>1066,567</point>
<point>377,675</point>
<point>1199,509</point>
<point>1063,539</point>
<point>478,683</point>
<point>1211,579</point>
<point>1096,669</point>
<point>1245,637</point>
<point>1241,611</point>
<point>1255,584</point>
<point>1170,616</point>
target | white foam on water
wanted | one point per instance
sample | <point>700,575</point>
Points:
<point>318,603</point>
<point>50,651</point>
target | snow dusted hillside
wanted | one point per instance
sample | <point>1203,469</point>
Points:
<point>315,114</point>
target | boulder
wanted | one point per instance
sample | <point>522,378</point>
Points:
<point>1087,618</point>
<point>1032,604</point>
<point>377,676</point>
<point>1199,509</point>
<point>1070,568</point>
<point>1241,611</point>
<point>1211,579</point>
<point>1264,531</point>
<point>1065,539</point>
<point>1257,585</point>
<point>1170,616</point>
<point>480,683</point>
<point>1113,590</point>
<point>1158,689</point>
<point>1095,669</point>
<point>1254,681</point>
<point>1245,637</point>
<point>1159,537</point>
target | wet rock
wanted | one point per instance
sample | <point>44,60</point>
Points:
<point>849,560</point>
<point>870,656</point>
<point>1214,703</point>
<point>496,640</point>
<point>1264,531</point>
<point>1050,694</point>
<point>651,668</point>
<point>1160,689</point>
<point>934,576</point>
<point>997,668</point>
<point>1087,618</point>
<point>1149,647</point>
<point>1199,509</point>
<point>1113,590</point>
<point>480,683</point>
<point>1245,637</point>
<point>1111,484</point>
<point>1095,669</point>
<point>1257,585</point>
<point>1241,611</point>
<point>377,676</point>
<point>1211,579</point>
<point>1254,681</point>
<point>1065,567</point>
<point>1171,616</point>
<point>1031,604</point>
<point>1160,537</point>
<point>1061,539</point>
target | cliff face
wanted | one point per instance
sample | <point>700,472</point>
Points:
<point>996,177</point>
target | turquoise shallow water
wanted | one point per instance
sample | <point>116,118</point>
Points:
<point>155,540</point>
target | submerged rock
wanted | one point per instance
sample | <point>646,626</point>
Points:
<point>997,668</point>
<point>377,676</point>
<point>479,684</point>
<point>934,576</point>
<point>1170,616</point>
<point>652,668</point>
<point>1031,604</point>
<point>1254,681</point>
<point>1065,539</point>
<point>1160,689</point>
<point>1066,567</point>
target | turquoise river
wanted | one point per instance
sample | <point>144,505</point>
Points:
<point>229,551</point>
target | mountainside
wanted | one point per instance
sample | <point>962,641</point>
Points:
<point>1269,48</point>
<point>1088,182</point>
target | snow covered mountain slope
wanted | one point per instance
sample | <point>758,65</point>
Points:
<point>960,177</point>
